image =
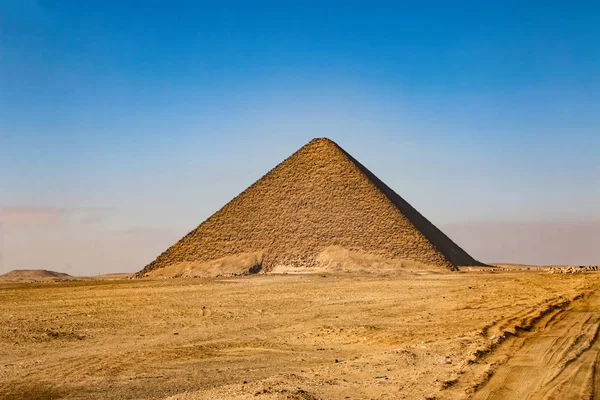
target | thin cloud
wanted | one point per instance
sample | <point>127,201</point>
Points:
<point>30,215</point>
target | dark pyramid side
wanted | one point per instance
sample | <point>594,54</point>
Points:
<point>318,197</point>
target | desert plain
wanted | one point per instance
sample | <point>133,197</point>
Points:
<point>480,333</point>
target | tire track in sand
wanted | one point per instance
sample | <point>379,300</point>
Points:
<point>559,363</point>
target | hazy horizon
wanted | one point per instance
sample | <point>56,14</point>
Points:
<point>124,126</point>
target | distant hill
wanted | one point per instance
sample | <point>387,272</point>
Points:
<point>34,275</point>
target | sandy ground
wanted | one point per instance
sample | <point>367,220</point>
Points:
<point>473,334</point>
<point>558,362</point>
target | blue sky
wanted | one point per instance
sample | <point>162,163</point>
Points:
<point>146,117</point>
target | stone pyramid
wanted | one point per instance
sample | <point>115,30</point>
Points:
<point>318,197</point>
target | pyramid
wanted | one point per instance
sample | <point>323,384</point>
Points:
<point>318,197</point>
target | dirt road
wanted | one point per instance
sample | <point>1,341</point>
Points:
<point>558,362</point>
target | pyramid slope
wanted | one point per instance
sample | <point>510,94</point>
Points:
<point>318,197</point>
<point>453,253</point>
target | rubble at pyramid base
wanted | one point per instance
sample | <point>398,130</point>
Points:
<point>334,259</point>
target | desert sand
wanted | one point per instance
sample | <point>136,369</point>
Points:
<point>425,334</point>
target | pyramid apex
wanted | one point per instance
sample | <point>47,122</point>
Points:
<point>322,141</point>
